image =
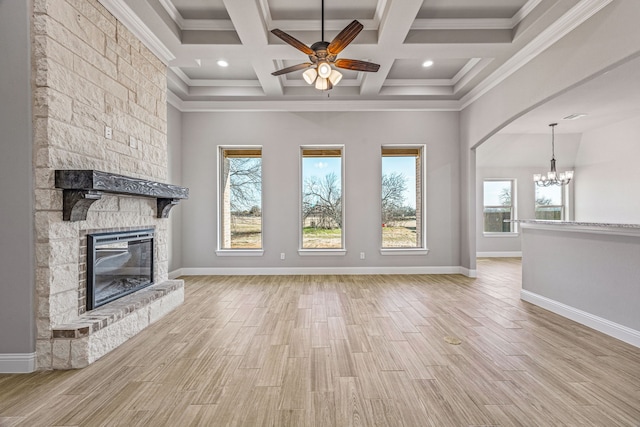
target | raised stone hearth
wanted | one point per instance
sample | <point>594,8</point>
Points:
<point>95,333</point>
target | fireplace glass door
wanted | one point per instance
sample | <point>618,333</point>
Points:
<point>117,265</point>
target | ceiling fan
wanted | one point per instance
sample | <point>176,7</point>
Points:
<point>323,54</point>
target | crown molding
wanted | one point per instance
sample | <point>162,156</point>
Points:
<point>182,77</point>
<point>310,105</point>
<point>563,26</point>
<point>524,11</point>
<point>195,24</point>
<point>123,13</point>
<point>477,23</point>
<point>462,24</point>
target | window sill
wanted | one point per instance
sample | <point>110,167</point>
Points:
<point>404,251</point>
<point>240,252</point>
<point>500,234</point>
<point>322,252</point>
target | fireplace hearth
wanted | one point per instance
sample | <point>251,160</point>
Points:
<point>118,264</point>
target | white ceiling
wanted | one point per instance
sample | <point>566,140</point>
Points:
<point>610,97</point>
<point>605,99</point>
<point>474,44</point>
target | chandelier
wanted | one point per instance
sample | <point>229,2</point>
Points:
<point>552,177</point>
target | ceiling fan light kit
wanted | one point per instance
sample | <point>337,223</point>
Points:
<point>324,70</point>
<point>323,55</point>
<point>310,75</point>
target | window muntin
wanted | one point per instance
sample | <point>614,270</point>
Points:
<point>402,197</point>
<point>498,196</point>
<point>322,210</point>
<point>240,201</point>
<point>550,202</point>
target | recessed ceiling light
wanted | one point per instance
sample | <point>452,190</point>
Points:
<point>222,63</point>
<point>574,116</point>
<point>428,63</point>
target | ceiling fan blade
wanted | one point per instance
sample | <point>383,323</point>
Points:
<point>356,65</point>
<point>293,42</point>
<point>345,37</point>
<point>292,68</point>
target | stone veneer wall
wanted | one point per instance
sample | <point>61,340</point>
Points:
<point>90,72</point>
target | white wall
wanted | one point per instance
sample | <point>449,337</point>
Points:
<point>608,174</point>
<point>16,186</point>
<point>281,135</point>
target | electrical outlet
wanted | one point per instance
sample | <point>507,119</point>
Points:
<point>108,132</point>
<point>282,255</point>
<point>133,143</point>
<point>361,255</point>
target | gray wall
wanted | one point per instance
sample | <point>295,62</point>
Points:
<point>519,156</point>
<point>594,272</point>
<point>281,134</point>
<point>16,189</point>
<point>174,141</point>
<point>606,39</point>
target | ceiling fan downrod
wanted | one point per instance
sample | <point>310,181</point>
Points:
<point>322,38</point>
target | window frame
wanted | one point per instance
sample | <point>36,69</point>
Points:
<point>564,192</point>
<point>421,195</point>
<point>342,251</point>
<point>514,212</point>
<point>241,252</point>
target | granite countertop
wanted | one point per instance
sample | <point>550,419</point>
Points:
<point>579,226</point>
<point>576,223</point>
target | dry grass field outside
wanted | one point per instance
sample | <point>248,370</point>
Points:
<point>246,233</point>
<point>400,234</point>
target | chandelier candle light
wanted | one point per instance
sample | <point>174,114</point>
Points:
<point>552,177</point>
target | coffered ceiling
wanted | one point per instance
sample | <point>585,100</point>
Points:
<point>473,45</point>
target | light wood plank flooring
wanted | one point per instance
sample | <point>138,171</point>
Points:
<point>346,350</point>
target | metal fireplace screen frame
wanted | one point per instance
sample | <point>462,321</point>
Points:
<point>118,249</point>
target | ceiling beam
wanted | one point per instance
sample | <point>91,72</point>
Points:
<point>249,22</point>
<point>395,24</point>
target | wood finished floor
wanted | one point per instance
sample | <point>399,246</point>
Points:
<point>346,350</point>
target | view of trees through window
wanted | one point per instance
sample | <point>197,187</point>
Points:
<point>498,206</point>
<point>401,198</point>
<point>322,198</point>
<point>241,198</point>
<point>549,202</point>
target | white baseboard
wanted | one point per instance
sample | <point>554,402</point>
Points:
<point>17,363</point>
<point>469,273</point>
<point>623,333</point>
<point>288,271</point>
<point>504,254</point>
<point>175,274</point>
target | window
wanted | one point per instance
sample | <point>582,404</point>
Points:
<point>240,202</point>
<point>322,202</point>
<point>402,197</point>
<point>549,202</point>
<point>498,206</point>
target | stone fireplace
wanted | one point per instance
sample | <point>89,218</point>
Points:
<point>91,74</point>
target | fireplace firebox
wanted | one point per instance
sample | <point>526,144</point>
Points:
<point>118,263</point>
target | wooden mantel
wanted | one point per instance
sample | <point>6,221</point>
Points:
<point>83,187</point>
